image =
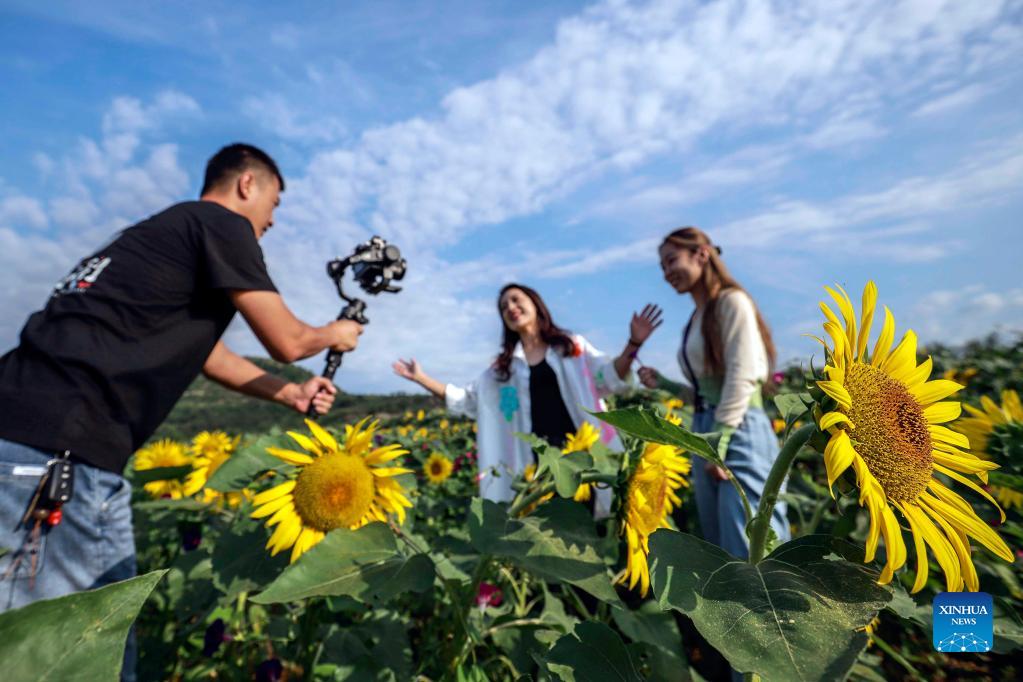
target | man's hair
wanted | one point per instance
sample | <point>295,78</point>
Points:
<point>235,159</point>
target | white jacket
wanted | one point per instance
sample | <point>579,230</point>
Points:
<point>501,410</point>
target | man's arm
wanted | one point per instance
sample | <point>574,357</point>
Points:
<point>286,337</point>
<point>233,371</point>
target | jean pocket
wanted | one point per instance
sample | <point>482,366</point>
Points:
<point>23,546</point>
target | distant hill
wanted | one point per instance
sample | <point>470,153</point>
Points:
<point>207,405</point>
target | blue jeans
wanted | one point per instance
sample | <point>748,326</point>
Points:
<point>751,452</point>
<point>92,546</point>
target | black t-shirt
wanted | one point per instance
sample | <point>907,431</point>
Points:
<point>126,332</point>
<point>551,419</point>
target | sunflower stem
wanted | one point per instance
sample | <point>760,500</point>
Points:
<point>769,498</point>
<point>524,501</point>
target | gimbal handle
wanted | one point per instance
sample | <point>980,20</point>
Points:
<point>355,310</point>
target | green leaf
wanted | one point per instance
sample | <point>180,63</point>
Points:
<point>143,476</point>
<point>556,542</point>
<point>1008,626</point>
<point>593,651</point>
<point>364,564</point>
<point>241,562</point>
<point>791,406</point>
<point>793,616</point>
<point>77,637</point>
<point>658,639</point>
<point>186,504</point>
<point>566,469</point>
<point>248,462</point>
<point>649,426</point>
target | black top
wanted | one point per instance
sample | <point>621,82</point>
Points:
<point>126,332</point>
<point>551,420</point>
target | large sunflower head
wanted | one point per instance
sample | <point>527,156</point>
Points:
<point>650,498</point>
<point>161,454</point>
<point>346,485</point>
<point>884,419</point>
<point>437,468</point>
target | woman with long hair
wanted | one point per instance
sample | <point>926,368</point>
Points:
<point>542,382</point>
<point>726,356</point>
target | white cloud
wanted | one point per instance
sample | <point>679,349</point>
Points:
<point>22,210</point>
<point>952,101</point>
<point>954,316</point>
<point>989,177</point>
<point>276,114</point>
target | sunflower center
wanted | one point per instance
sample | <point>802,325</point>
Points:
<point>891,432</point>
<point>436,469</point>
<point>335,491</point>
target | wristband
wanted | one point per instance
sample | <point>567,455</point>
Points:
<point>635,343</point>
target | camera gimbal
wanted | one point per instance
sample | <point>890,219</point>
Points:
<point>375,264</point>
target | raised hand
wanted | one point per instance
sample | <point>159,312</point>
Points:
<point>408,369</point>
<point>644,323</point>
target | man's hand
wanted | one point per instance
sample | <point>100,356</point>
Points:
<point>319,391</point>
<point>345,334</point>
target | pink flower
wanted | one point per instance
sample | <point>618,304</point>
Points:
<point>779,377</point>
<point>488,595</point>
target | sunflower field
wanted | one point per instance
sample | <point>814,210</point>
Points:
<point>362,551</point>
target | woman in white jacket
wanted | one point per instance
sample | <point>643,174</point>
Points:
<point>542,382</point>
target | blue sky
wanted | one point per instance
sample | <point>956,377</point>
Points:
<point>551,143</point>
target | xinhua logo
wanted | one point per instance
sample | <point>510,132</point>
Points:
<point>963,622</point>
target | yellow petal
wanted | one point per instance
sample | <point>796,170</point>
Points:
<point>838,456</point>
<point>832,418</point>
<point>866,318</point>
<point>837,392</point>
<point>884,341</point>
<point>970,524</point>
<point>322,436</point>
<point>270,507</point>
<point>273,493</point>
<point>914,376</point>
<point>290,456</point>
<point>922,563</point>
<point>933,391</point>
<point>946,435</point>
<point>972,486</point>
<point>305,442</point>
<point>939,413</point>
<point>903,357</point>
<point>938,542</point>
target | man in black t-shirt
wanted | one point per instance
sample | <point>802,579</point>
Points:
<point>120,339</point>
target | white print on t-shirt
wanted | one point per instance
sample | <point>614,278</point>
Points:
<point>82,277</point>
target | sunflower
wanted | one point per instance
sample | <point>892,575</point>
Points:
<point>884,419</point>
<point>982,423</point>
<point>337,486</point>
<point>162,453</point>
<point>211,449</point>
<point>581,441</point>
<point>437,468</point>
<point>649,499</point>
<point>996,432</point>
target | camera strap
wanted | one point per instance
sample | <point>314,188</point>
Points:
<point>699,404</point>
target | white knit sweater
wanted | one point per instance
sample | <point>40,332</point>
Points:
<point>746,365</point>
